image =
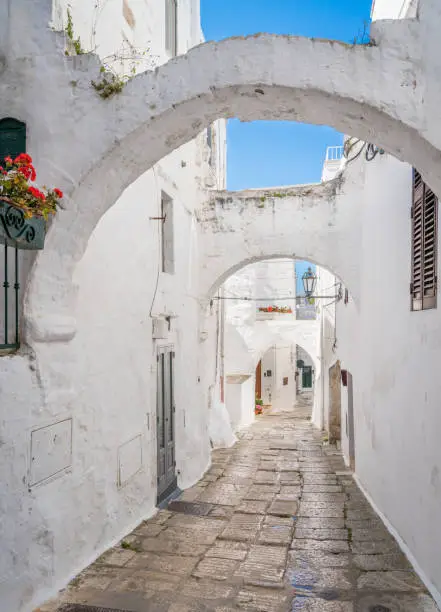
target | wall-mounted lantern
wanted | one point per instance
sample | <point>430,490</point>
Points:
<point>309,282</point>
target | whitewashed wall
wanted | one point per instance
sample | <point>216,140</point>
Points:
<point>393,354</point>
<point>394,9</point>
<point>280,360</point>
<point>106,421</point>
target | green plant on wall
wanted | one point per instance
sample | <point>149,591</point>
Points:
<point>109,84</point>
<point>73,43</point>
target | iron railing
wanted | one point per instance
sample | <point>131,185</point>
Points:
<point>10,313</point>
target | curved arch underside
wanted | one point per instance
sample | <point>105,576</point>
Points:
<point>356,89</point>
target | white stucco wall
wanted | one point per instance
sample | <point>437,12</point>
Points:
<point>394,9</point>
<point>279,359</point>
<point>108,372</point>
<point>393,355</point>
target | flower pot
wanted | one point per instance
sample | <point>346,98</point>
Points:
<point>17,230</point>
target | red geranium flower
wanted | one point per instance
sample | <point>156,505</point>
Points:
<point>23,158</point>
<point>8,159</point>
<point>25,171</point>
<point>37,193</point>
<point>58,193</point>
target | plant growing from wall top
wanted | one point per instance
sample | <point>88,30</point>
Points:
<point>17,188</point>
<point>73,43</point>
<point>112,81</point>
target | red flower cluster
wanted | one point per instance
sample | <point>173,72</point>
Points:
<point>281,309</point>
<point>28,172</point>
<point>25,167</point>
<point>37,194</point>
<point>23,158</point>
<point>16,179</point>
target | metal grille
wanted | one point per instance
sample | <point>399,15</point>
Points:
<point>423,286</point>
<point>10,308</point>
<point>195,509</point>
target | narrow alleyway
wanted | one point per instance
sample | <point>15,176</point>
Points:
<point>276,524</point>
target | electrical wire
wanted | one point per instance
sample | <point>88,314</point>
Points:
<point>277,299</point>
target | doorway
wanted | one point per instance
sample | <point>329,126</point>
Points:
<point>165,424</point>
<point>258,388</point>
<point>307,377</point>
<point>334,419</point>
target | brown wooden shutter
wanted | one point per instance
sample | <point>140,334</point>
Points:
<point>424,245</point>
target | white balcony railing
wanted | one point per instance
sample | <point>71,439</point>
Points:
<point>334,153</point>
<point>333,163</point>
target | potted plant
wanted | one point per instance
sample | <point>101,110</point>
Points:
<point>259,406</point>
<point>24,208</point>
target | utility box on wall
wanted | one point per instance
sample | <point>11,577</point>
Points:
<point>160,329</point>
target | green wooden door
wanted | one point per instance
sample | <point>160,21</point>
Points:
<point>307,377</point>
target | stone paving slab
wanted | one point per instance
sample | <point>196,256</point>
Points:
<point>215,568</point>
<point>277,524</point>
<point>281,507</point>
<point>236,551</point>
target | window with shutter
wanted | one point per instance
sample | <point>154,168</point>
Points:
<point>171,27</point>
<point>167,237</point>
<point>423,286</point>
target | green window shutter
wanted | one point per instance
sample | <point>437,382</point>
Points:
<point>12,138</point>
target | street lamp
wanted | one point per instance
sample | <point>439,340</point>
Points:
<point>309,282</point>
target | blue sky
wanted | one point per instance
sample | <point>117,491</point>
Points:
<point>265,153</point>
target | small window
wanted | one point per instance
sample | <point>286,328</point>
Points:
<point>423,287</point>
<point>167,242</point>
<point>171,27</point>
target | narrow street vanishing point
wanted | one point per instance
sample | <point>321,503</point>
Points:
<point>276,524</point>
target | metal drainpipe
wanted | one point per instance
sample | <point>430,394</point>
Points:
<point>222,347</point>
<point>274,381</point>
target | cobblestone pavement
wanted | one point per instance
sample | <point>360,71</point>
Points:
<point>276,524</point>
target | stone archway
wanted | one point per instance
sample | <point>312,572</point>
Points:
<point>259,77</point>
<point>317,223</point>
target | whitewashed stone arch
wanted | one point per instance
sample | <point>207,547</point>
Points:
<point>373,92</point>
<point>319,223</point>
